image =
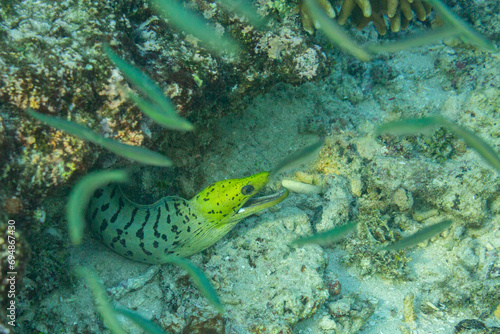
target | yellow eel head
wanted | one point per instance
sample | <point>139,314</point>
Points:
<point>229,201</point>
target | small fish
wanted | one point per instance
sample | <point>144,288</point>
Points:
<point>200,280</point>
<point>297,158</point>
<point>185,20</point>
<point>466,32</point>
<point>411,126</point>
<point>478,144</point>
<point>80,196</point>
<point>156,105</point>
<point>102,300</point>
<point>334,32</point>
<point>244,8</point>
<point>327,237</point>
<point>148,326</point>
<point>425,38</point>
<point>416,238</point>
<point>136,153</point>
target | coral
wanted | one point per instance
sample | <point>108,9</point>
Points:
<point>12,206</point>
<point>307,63</point>
<point>381,181</point>
<point>474,12</point>
<point>350,312</point>
<point>371,170</point>
<point>439,146</point>
<point>338,204</point>
<point>267,287</point>
<point>286,48</point>
<point>305,16</point>
<point>463,286</point>
<point>376,230</point>
<point>409,308</point>
<point>399,12</point>
<point>347,313</point>
<point>43,68</point>
<point>51,60</point>
<point>468,180</point>
<point>284,286</point>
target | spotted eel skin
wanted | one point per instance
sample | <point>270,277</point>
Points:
<point>173,225</point>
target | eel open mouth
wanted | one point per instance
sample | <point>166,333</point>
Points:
<point>260,203</point>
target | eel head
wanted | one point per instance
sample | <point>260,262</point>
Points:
<point>229,201</point>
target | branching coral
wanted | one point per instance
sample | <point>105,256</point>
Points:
<point>399,12</point>
<point>307,21</point>
<point>362,12</point>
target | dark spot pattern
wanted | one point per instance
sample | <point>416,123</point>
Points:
<point>121,204</point>
<point>94,214</point>
<point>132,217</point>
<point>113,193</point>
<point>98,193</point>
<point>144,249</point>
<point>104,225</point>
<point>155,226</point>
<point>177,209</point>
<point>140,232</point>
<point>175,230</point>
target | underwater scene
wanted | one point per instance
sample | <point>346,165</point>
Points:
<point>250,166</point>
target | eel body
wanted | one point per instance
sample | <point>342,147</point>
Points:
<point>173,225</point>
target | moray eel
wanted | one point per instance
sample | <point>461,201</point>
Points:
<point>173,225</point>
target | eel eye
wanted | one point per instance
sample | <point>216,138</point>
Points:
<point>247,190</point>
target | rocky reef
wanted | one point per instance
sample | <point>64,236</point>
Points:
<point>250,112</point>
